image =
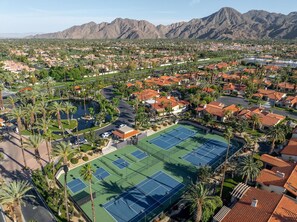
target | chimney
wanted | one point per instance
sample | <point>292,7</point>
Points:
<point>280,174</point>
<point>168,97</point>
<point>254,202</point>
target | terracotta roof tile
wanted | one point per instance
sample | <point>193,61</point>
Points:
<point>291,148</point>
<point>286,210</point>
<point>274,161</point>
<point>244,212</point>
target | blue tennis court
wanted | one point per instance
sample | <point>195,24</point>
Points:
<point>100,174</point>
<point>206,154</point>
<point>121,163</point>
<point>140,200</point>
<point>172,138</point>
<point>139,154</point>
<point>76,185</point>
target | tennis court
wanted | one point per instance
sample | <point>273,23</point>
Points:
<point>134,204</point>
<point>173,137</point>
<point>139,154</point>
<point>121,163</point>
<point>76,185</point>
<point>101,173</point>
<point>207,154</point>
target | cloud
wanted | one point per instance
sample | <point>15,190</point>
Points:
<point>195,2</point>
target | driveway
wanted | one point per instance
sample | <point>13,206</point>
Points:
<point>229,100</point>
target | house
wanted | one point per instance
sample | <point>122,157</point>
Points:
<point>287,87</point>
<point>267,119</point>
<point>273,97</point>
<point>2,122</point>
<point>289,152</point>
<point>208,90</point>
<point>290,102</point>
<point>228,88</point>
<point>161,105</point>
<point>125,133</point>
<point>231,88</point>
<point>217,110</point>
<point>255,205</point>
<point>146,94</point>
<point>279,176</point>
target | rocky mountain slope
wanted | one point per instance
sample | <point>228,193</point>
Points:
<point>227,23</point>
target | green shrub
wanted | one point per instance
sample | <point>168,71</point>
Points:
<point>164,124</point>
<point>74,160</point>
<point>85,158</point>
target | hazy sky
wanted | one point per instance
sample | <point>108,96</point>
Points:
<point>24,16</point>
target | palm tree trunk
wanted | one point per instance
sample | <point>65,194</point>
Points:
<point>92,201</point>
<point>198,214</point>
<point>66,195</point>
<point>21,141</point>
<point>48,151</point>
<point>272,146</point>
<point>59,119</point>
<point>1,100</point>
<point>224,169</point>
<point>68,117</point>
<point>17,212</point>
<point>38,159</point>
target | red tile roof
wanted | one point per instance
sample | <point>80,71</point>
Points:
<point>274,161</point>
<point>286,210</point>
<point>286,85</point>
<point>291,148</point>
<point>244,212</point>
<point>146,94</point>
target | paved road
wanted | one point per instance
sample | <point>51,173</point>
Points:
<point>228,100</point>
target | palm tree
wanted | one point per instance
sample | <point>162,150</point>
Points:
<point>204,173</point>
<point>276,134</point>
<point>1,96</point>
<point>200,200</point>
<point>32,111</point>
<point>34,142</point>
<point>248,168</point>
<point>17,114</point>
<point>34,95</point>
<point>44,126</point>
<point>43,107</point>
<point>13,193</point>
<point>48,83</point>
<point>64,150</point>
<point>256,121</point>
<point>69,108</point>
<point>86,173</point>
<point>228,135</point>
<point>56,109</point>
<point>11,101</point>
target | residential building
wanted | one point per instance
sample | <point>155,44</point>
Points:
<point>279,176</point>
<point>267,119</point>
<point>255,205</point>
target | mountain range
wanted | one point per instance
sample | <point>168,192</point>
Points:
<point>227,23</point>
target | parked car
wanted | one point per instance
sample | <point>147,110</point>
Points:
<point>80,140</point>
<point>105,134</point>
<point>122,125</point>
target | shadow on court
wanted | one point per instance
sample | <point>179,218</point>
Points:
<point>181,170</point>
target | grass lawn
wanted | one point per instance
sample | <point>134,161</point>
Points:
<point>120,180</point>
<point>66,125</point>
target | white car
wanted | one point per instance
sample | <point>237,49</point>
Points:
<point>122,125</point>
<point>105,135</point>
